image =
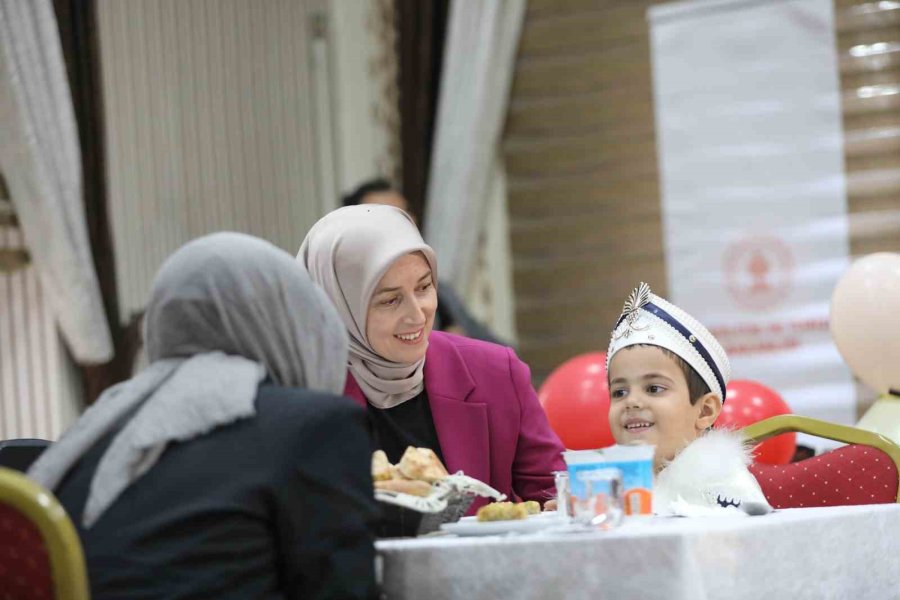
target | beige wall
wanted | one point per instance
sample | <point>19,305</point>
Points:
<point>40,391</point>
<point>233,115</point>
<point>209,127</point>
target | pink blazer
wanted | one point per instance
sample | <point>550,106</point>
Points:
<point>487,416</point>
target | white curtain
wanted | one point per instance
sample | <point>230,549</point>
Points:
<point>41,161</point>
<point>490,296</point>
<point>479,57</point>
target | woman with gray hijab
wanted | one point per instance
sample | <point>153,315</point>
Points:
<point>228,468</point>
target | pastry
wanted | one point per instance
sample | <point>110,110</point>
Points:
<point>532,507</point>
<point>502,511</point>
<point>421,464</point>
<point>414,474</point>
<point>381,466</point>
<point>414,488</point>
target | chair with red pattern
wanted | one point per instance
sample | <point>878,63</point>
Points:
<point>865,471</point>
<point>40,554</point>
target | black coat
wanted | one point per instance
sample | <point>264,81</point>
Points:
<point>277,506</point>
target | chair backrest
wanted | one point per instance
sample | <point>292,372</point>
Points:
<point>867,471</point>
<point>853,474</point>
<point>19,454</point>
<point>40,554</point>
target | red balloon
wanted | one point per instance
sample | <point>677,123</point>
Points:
<point>576,400</point>
<point>747,402</point>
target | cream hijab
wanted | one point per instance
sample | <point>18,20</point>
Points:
<point>347,252</point>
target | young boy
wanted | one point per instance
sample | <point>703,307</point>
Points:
<point>667,378</point>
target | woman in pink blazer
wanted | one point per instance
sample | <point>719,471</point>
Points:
<point>470,401</point>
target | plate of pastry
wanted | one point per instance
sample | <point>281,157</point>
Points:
<point>420,483</point>
<point>505,517</point>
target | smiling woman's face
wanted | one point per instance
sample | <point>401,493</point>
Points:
<point>401,311</point>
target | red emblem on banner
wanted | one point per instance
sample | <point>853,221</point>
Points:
<point>759,272</point>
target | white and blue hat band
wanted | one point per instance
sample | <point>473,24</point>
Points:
<point>651,320</point>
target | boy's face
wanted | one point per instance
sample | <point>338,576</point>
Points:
<point>650,403</point>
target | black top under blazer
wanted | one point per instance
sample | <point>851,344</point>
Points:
<point>273,507</point>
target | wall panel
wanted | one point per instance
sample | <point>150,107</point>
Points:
<point>581,159</point>
<point>209,127</point>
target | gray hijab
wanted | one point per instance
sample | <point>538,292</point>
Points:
<point>225,311</point>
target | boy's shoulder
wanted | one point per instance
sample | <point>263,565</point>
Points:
<point>711,472</point>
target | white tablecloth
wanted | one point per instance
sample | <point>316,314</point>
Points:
<point>847,553</point>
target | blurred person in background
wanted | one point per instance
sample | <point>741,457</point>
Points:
<point>469,401</point>
<point>452,315</point>
<point>229,467</point>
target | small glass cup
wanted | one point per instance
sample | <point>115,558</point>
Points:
<point>561,478</point>
<point>600,503</point>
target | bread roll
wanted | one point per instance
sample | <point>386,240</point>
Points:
<point>422,464</point>
<point>415,488</point>
<point>381,466</point>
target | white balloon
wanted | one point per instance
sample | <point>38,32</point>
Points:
<point>865,320</point>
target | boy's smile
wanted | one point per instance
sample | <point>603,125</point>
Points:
<point>637,426</point>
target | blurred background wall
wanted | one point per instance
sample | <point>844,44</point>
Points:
<point>581,158</point>
<point>196,116</point>
<point>247,116</point>
<point>40,389</point>
<point>199,115</point>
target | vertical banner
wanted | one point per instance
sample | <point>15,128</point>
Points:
<point>749,135</point>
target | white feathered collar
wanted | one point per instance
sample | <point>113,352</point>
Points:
<point>708,476</point>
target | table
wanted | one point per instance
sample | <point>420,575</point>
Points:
<point>848,552</point>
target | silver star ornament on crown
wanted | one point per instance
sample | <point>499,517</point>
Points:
<point>639,297</point>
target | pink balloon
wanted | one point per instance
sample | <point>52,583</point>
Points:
<point>747,402</point>
<point>576,399</point>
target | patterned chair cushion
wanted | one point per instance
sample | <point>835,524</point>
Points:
<point>24,563</point>
<point>853,474</point>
